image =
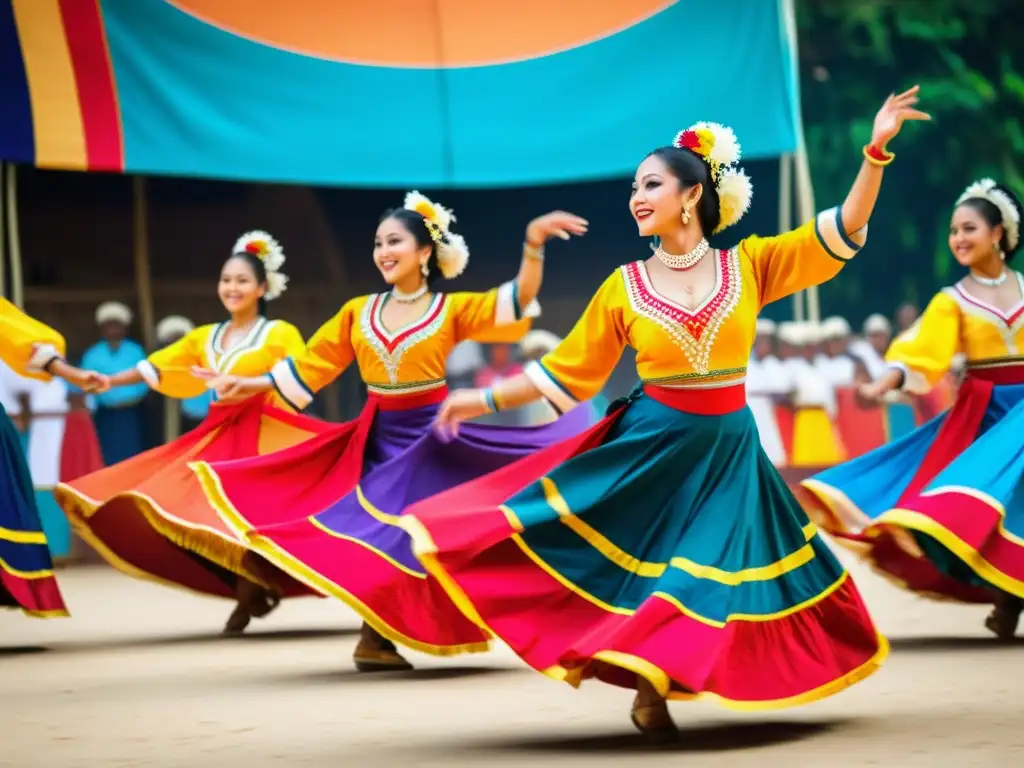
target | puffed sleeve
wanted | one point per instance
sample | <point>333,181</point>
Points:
<point>925,351</point>
<point>169,370</point>
<point>809,255</point>
<point>298,377</point>
<point>27,345</point>
<point>285,341</point>
<point>577,369</point>
<point>494,316</point>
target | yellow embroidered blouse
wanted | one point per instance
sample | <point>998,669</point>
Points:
<point>169,370</point>
<point>403,360</point>
<point>706,346</point>
<point>957,322</point>
<point>26,344</point>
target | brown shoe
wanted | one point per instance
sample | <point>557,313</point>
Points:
<point>1003,620</point>
<point>238,620</point>
<point>256,599</point>
<point>374,653</point>
<point>654,721</point>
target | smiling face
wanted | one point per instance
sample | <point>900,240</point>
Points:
<point>397,254</point>
<point>972,239</point>
<point>239,288</point>
<point>657,199</point>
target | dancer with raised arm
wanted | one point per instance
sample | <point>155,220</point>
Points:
<point>346,490</point>
<point>660,550</point>
<point>940,511</point>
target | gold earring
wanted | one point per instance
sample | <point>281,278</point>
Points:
<point>686,216</point>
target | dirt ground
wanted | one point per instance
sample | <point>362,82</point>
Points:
<point>139,677</point>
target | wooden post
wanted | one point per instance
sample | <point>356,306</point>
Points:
<point>3,249</point>
<point>804,187</point>
<point>143,280</point>
<point>13,238</point>
<point>806,209</point>
<point>786,218</point>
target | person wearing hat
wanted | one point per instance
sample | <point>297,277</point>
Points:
<point>834,360</point>
<point>870,350</point>
<point>119,414</point>
<point>766,381</point>
<point>816,441</point>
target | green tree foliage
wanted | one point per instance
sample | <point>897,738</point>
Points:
<point>968,57</point>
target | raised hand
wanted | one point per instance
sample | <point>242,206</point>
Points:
<point>555,224</point>
<point>894,112</point>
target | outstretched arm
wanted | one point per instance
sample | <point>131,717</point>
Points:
<point>860,202</point>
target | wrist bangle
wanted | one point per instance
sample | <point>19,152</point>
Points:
<point>489,400</point>
<point>878,156</point>
<point>533,252</point>
<point>50,362</point>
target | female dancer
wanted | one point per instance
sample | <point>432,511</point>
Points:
<point>345,489</point>
<point>148,516</point>
<point>661,550</point>
<point>26,569</point>
<point>941,509</point>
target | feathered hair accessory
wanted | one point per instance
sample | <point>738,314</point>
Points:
<point>987,189</point>
<point>717,146</point>
<point>265,248</point>
<point>452,251</point>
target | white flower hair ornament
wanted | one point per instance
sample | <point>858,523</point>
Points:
<point>987,189</point>
<point>265,248</point>
<point>718,146</point>
<point>452,251</point>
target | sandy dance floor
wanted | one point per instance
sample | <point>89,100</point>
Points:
<point>139,677</point>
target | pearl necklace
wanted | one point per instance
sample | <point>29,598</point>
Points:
<point>686,260</point>
<point>991,282</point>
<point>409,298</point>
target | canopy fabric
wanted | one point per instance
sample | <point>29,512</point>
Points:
<point>385,94</point>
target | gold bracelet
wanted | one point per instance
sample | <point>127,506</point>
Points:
<point>878,156</point>
<point>532,252</point>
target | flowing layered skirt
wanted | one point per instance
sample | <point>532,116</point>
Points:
<point>148,515</point>
<point>662,543</point>
<point>26,568</point>
<point>347,490</point>
<point>940,511</point>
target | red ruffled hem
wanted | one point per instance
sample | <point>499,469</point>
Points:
<point>403,605</point>
<point>813,651</point>
<point>37,597</point>
<point>877,546</point>
<point>144,515</point>
<point>970,526</point>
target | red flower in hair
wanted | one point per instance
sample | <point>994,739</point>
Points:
<point>253,248</point>
<point>688,140</point>
<point>698,140</point>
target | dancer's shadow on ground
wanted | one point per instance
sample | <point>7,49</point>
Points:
<point>21,650</point>
<point>348,674</point>
<point>940,643</point>
<point>196,638</point>
<point>715,737</point>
